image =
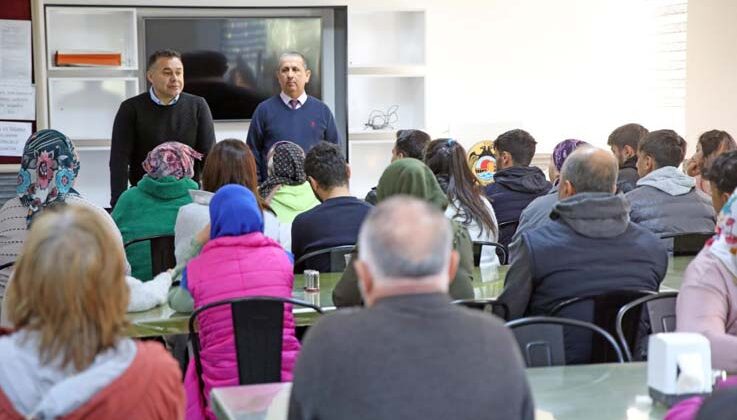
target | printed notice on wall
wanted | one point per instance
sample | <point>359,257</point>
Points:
<point>15,51</point>
<point>17,102</point>
<point>13,136</point>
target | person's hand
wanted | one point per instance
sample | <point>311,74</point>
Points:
<point>203,235</point>
<point>692,167</point>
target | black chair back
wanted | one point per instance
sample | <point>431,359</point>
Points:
<point>542,340</point>
<point>660,310</point>
<point>491,306</point>
<point>258,332</point>
<point>501,251</point>
<point>601,310</point>
<point>162,252</point>
<point>7,265</point>
<point>688,243</point>
<point>337,258</point>
<point>506,231</point>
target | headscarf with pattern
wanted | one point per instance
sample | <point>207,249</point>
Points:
<point>48,169</point>
<point>286,166</point>
<point>171,159</point>
<point>723,244</point>
<point>563,149</point>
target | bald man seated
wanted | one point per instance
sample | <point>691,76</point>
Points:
<point>591,247</point>
<point>410,353</point>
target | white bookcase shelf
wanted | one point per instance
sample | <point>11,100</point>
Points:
<point>396,37</point>
<point>388,71</point>
<point>85,108</point>
<point>92,29</point>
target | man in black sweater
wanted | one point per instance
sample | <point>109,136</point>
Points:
<point>410,354</point>
<point>162,114</point>
<point>334,222</point>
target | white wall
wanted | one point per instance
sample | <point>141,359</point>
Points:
<point>711,96</point>
<point>560,69</point>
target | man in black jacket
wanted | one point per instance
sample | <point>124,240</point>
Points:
<point>163,113</point>
<point>516,183</point>
<point>624,141</point>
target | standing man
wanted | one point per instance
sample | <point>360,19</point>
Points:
<point>162,114</point>
<point>291,115</point>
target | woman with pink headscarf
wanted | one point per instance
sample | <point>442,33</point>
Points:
<point>150,208</point>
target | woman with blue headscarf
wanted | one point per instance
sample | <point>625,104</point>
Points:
<point>238,261</point>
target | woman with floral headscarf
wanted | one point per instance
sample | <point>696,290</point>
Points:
<point>150,208</point>
<point>48,170</point>
<point>286,189</point>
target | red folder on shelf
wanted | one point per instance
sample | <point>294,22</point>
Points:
<point>88,59</point>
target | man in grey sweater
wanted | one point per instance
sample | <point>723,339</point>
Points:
<point>410,353</point>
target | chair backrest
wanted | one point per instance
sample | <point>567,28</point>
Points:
<point>501,251</point>
<point>689,243</point>
<point>660,311</point>
<point>600,310</point>
<point>258,329</point>
<point>337,258</point>
<point>491,306</point>
<point>162,252</point>
<point>542,339</point>
<point>7,265</point>
<point>507,230</point>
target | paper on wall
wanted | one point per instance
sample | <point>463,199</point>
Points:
<point>15,51</point>
<point>13,136</point>
<point>17,102</point>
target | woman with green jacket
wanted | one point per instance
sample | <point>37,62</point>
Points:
<point>412,177</point>
<point>150,208</point>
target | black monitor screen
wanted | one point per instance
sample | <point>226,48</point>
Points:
<point>232,62</point>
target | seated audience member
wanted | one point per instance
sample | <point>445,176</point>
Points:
<point>589,248</point>
<point>537,213</point>
<point>411,177</point>
<point>230,161</point>
<point>708,296</point>
<point>48,171</point>
<point>410,353</point>
<point>286,190</point>
<point>710,145</point>
<point>623,142</point>
<point>665,200</point>
<point>238,261</point>
<point>409,144</point>
<point>69,357</point>
<point>150,208</point>
<point>516,183</point>
<point>337,219</point>
<point>446,158</point>
<point>722,177</point>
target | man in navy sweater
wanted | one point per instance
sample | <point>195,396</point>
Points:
<point>291,115</point>
<point>334,222</point>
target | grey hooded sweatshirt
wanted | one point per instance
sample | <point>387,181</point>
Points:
<point>667,202</point>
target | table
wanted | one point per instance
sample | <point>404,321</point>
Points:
<point>601,392</point>
<point>488,283</point>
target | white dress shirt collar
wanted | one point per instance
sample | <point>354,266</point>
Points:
<point>285,98</point>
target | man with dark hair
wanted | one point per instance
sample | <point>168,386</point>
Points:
<point>666,200</point>
<point>292,115</point>
<point>589,248</point>
<point>516,183</point>
<point>722,177</point>
<point>162,114</point>
<point>337,219</point>
<point>409,353</point>
<point>409,144</point>
<point>623,142</point>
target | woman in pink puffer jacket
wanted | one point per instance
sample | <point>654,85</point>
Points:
<point>238,261</point>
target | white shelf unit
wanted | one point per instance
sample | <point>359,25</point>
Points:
<point>85,108</point>
<point>386,67</point>
<point>113,29</point>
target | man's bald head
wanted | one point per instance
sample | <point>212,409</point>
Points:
<point>405,238</point>
<point>588,169</point>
